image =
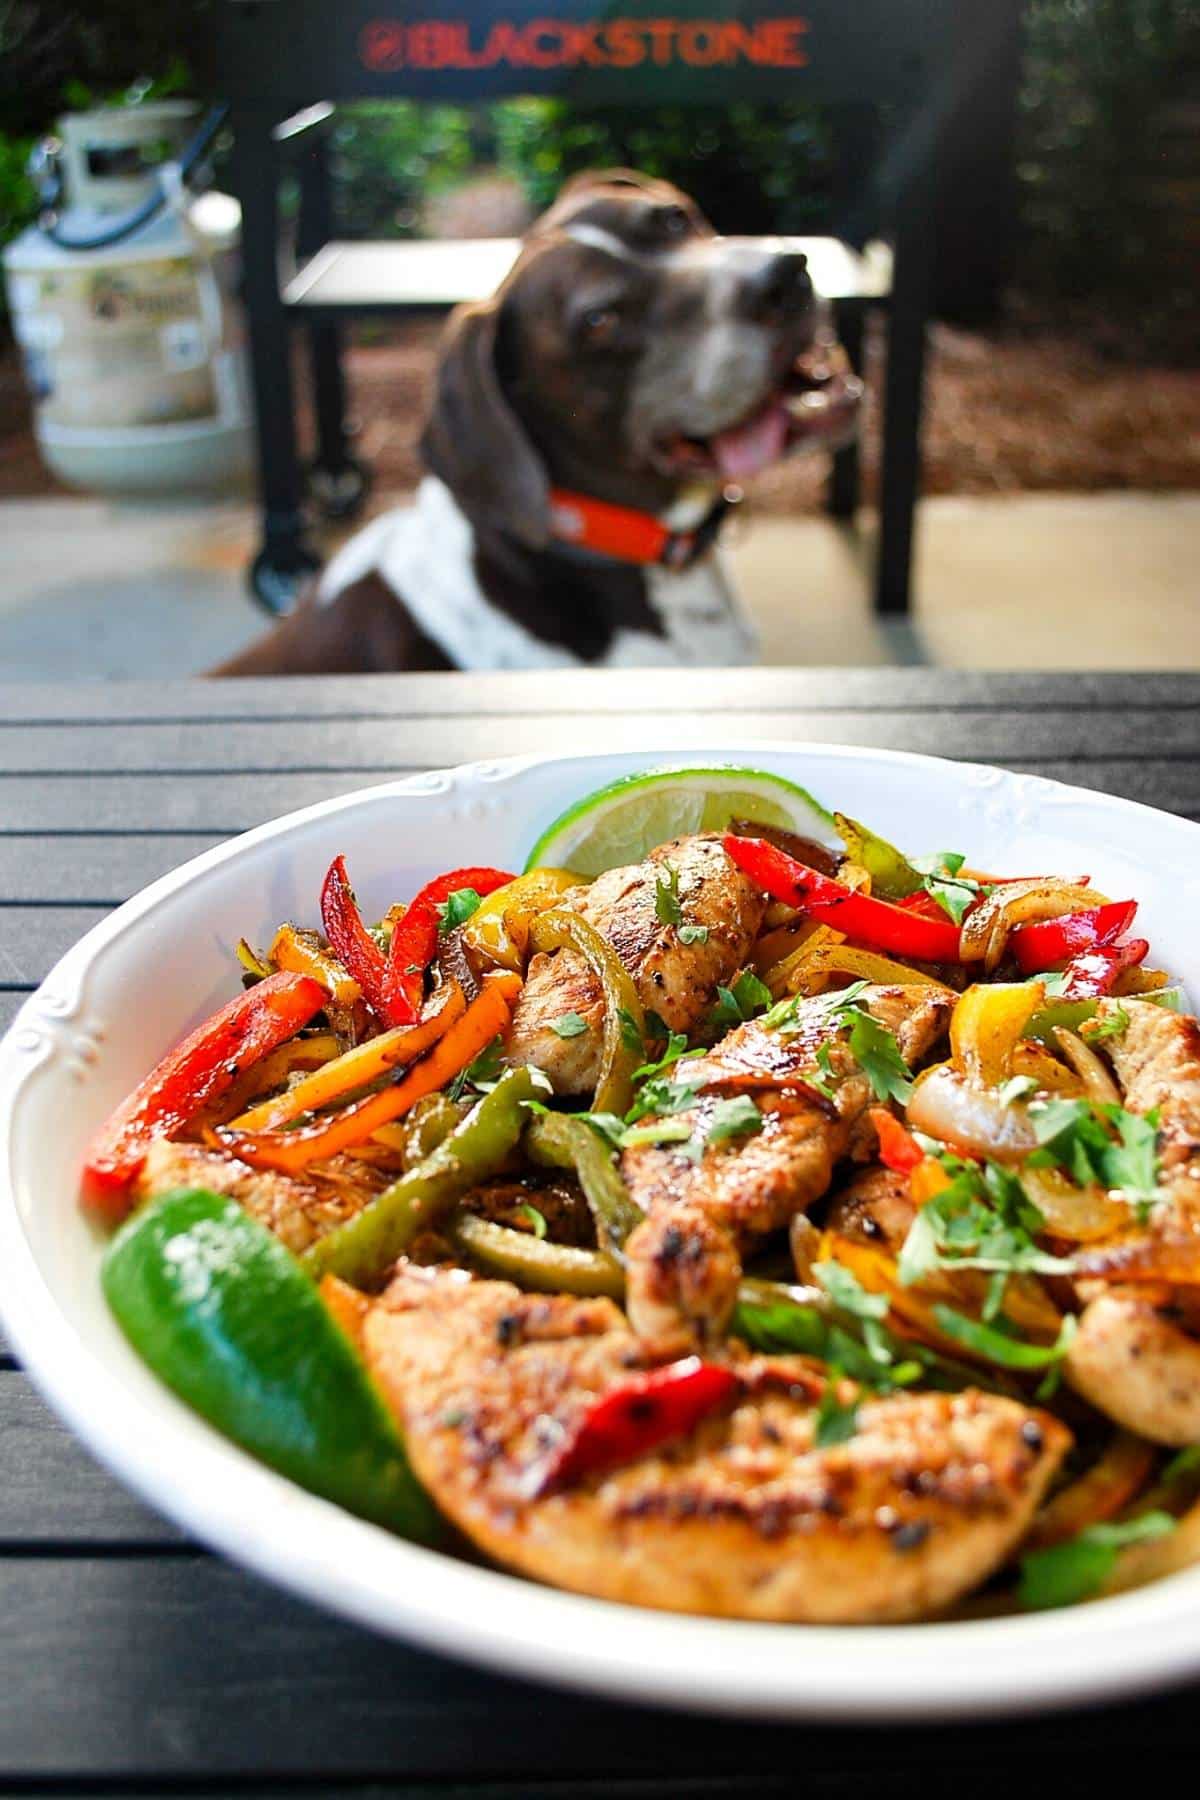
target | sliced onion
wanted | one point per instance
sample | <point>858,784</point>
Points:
<point>985,930</point>
<point>1098,1084</point>
<point>1081,1214</point>
<point>946,1105</point>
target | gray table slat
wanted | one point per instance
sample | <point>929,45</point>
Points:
<point>591,690</point>
<point>219,805</point>
<point>32,938</point>
<point>158,1668</point>
<point>53,1492</point>
<point>98,870</point>
<point>173,748</point>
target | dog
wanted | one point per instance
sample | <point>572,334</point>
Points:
<point>586,424</point>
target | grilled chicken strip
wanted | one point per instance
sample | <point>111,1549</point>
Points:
<point>744,1518</point>
<point>298,1212</point>
<point>1136,1355</point>
<point>684,1261</point>
<point>679,981</point>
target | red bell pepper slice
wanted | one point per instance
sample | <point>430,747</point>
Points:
<point>1095,971</point>
<point>898,1148</point>
<point>414,940</point>
<point>1049,941</point>
<point>875,924</point>
<point>194,1073</point>
<point>639,1415</point>
<point>350,940</point>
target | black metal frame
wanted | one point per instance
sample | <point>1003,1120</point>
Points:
<point>255,171</point>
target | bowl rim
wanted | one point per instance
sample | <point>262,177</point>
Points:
<point>1025,1663</point>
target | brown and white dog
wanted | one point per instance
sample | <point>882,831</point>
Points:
<point>586,423</point>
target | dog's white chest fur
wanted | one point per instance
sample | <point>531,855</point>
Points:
<point>425,554</point>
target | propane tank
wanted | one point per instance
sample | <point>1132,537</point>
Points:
<point>122,302</point>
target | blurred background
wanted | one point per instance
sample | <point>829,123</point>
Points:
<point>1060,524</point>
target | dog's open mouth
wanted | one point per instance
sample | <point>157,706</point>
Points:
<point>816,406</point>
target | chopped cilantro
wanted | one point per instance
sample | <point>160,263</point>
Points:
<point>847,1291</point>
<point>836,1420</point>
<point>457,908</point>
<point>1064,1573</point>
<point>741,1000</point>
<point>1075,1135</point>
<point>536,1219</point>
<point>1015,1088</point>
<point>824,1084</point>
<point>656,1025</point>
<point>807,1330</point>
<point>738,1117</point>
<point>631,1036</point>
<point>568,1025</point>
<point>1115,1024</point>
<point>666,896</point>
<point>878,1056</point>
<point>998,1346</point>
<point>871,1044</point>
<point>983,1219</point>
<point>482,1074</point>
<point>955,894</point>
<point>693,934</point>
<point>609,1126</point>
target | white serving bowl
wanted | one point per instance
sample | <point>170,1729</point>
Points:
<point>164,960</point>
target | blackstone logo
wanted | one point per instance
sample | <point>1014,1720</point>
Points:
<point>386,45</point>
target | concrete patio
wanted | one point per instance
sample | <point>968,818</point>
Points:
<point>94,589</point>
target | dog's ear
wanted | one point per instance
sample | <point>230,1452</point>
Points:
<point>473,440</point>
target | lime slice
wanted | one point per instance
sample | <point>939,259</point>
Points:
<point>225,1316</point>
<point>622,823</point>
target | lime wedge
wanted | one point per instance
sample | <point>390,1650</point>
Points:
<point>622,823</point>
<point>228,1319</point>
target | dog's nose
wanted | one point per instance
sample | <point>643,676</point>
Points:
<point>779,285</point>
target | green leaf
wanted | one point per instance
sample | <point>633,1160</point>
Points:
<point>666,896</point>
<point>827,1084</point>
<point>999,1347</point>
<point>1065,1573</point>
<point>878,1056</point>
<point>847,1291</point>
<point>536,1219</point>
<point>954,897</point>
<point>568,1025</point>
<point>836,1421</point>
<point>1073,1134</point>
<point>457,908</point>
<point>1114,1024</point>
<point>609,1126</point>
<point>483,1073</point>
<point>738,1117</point>
<point>744,997</point>
<point>1015,1088</point>
<point>693,934</point>
<point>631,1036</point>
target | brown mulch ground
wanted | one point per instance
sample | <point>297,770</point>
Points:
<point>1008,411</point>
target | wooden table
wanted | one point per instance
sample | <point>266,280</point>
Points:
<point>131,1659</point>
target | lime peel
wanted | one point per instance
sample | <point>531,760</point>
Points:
<point>623,821</point>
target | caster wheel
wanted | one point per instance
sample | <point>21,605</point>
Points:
<point>276,586</point>
<point>340,493</point>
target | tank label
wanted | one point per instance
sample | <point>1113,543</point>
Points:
<point>119,345</point>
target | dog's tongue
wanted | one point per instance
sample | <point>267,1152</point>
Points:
<point>746,449</point>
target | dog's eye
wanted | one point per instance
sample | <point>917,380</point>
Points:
<point>600,323</point>
<point>673,222</point>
